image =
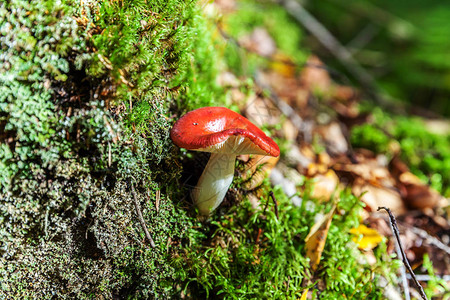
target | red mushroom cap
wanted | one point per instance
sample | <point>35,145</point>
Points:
<point>220,130</point>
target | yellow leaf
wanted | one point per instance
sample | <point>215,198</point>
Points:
<point>304,295</point>
<point>366,238</point>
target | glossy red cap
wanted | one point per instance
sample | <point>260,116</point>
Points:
<point>220,130</point>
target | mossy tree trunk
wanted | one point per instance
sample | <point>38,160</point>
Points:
<point>88,91</point>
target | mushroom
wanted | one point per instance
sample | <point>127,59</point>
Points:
<point>225,134</point>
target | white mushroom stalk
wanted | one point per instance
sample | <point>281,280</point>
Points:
<point>214,182</point>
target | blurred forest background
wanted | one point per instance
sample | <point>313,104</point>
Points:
<point>405,45</point>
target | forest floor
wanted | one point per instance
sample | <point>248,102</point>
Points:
<point>338,137</point>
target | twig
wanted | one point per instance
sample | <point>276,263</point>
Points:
<point>402,270</point>
<point>275,203</point>
<point>362,38</point>
<point>428,277</point>
<point>158,197</point>
<point>271,195</point>
<point>405,260</point>
<point>141,219</point>
<point>258,235</point>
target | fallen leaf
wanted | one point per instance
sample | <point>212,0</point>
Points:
<point>304,294</point>
<point>259,41</point>
<point>315,77</point>
<point>315,241</point>
<point>316,168</point>
<point>289,131</point>
<point>374,197</point>
<point>334,138</point>
<point>288,88</point>
<point>347,95</point>
<point>414,192</point>
<point>325,185</point>
<point>366,238</point>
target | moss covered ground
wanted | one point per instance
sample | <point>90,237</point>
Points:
<point>88,93</point>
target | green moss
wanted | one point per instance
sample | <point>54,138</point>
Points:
<point>247,254</point>
<point>32,55</point>
<point>86,103</point>
<point>435,286</point>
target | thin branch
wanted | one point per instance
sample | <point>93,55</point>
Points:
<point>275,203</point>
<point>141,219</point>
<point>402,270</point>
<point>405,260</point>
<point>428,277</point>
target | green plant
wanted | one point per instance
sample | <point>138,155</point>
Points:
<point>435,286</point>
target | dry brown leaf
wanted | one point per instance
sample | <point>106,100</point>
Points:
<point>421,196</point>
<point>375,197</point>
<point>288,88</point>
<point>325,185</point>
<point>315,241</point>
<point>315,77</point>
<point>371,170</point>
<point>289,131</point>
<point>346,94</point>
<point>334,138</point>
<point>260,42</point>
<point>307,151</point>
<point>324,158</point>
<point>415,193</point>
<point>315,168</point>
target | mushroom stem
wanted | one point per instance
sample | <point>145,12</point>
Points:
<point>214,182</point>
